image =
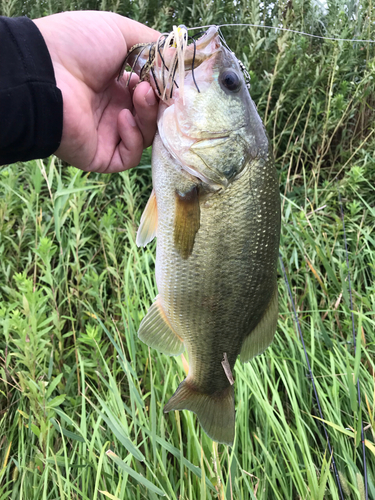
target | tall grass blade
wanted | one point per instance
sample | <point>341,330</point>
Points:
<point>355,347</point>
<point>311,376</point>
<point>142,480</point>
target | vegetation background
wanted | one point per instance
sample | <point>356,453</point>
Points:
<point>81,397</point>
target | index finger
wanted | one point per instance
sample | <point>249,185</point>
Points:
<point>135,32</point>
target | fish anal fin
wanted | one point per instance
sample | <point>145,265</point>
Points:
<point>187,221</point>
<point>215,411</point>
<point>262,335</point>
<point>149,222</point>
<point>156,331</point>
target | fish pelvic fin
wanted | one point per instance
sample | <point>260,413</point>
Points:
<point>149,222</point>
<point>262,335</point>
<point>187,221</point>
<point>215,412</point>
<point>156,331</point>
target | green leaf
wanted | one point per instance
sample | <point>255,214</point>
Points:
<point>142,480</point>
<point>351,387</point>
<point>335,426</point>
<point>324,473</point>
<point>108,495</point>
<point>64,192</point>
<point>35,430</point>
<point>116,428</point>
<point>57,401</point>
<point>176,452</point>
<point>66,433</point>
<point>358,350</point>
<point>370,446</point>
<point>52,386</point>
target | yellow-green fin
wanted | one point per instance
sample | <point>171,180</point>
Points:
<point>149,222</point>
<point>262,335</point>
<point>156,332</point>
<point>187,221</point>
<point>214,411</point>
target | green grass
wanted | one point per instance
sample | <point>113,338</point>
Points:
<point>81,397</point>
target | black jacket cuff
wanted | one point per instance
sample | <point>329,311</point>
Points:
<point>31,106</point>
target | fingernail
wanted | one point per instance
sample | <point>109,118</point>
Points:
<point>150,98</point>
<point>131,120</point>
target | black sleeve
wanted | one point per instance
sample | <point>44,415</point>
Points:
<point>31,106</point>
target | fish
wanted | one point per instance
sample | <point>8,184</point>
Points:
<point>215,211</point>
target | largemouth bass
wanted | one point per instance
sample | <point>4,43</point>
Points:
<point>215,209</point>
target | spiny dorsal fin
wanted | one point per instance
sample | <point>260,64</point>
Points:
<point>187,221</point>
<point>262,335</point>
<point>149,222</point>
<point>156,331</point>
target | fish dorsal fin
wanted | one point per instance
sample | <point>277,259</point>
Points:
<point>156,331</point>
<point>262,335</point>
<point>149,222</point>
<point>187,221</point>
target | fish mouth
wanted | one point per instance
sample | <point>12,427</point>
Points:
<point>174,57</point>
<point>166,62</point>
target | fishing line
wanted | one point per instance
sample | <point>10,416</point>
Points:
<point>175,63</point>
<point>311,376</point>
<point>355,346</point>
<point>286,29</point>
<point>196,34</point>
<point>154,77</point>
<point>159,46</point>
<point>192,64</point>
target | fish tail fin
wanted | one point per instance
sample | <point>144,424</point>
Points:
<point>215,411</point>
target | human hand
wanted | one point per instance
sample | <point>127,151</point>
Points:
<point>106,125</point>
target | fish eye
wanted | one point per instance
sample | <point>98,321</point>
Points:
<point>230,80</point>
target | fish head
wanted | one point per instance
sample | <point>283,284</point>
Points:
<point>207,119</point>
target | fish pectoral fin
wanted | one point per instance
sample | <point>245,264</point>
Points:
<point>156,331</point>
<point>187,221</point>
<point>214,411</point>
<point>262,335</point>
<point>149,222</point>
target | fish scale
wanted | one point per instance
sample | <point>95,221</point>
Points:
<point>227,257</point>
<point>215,210</point>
